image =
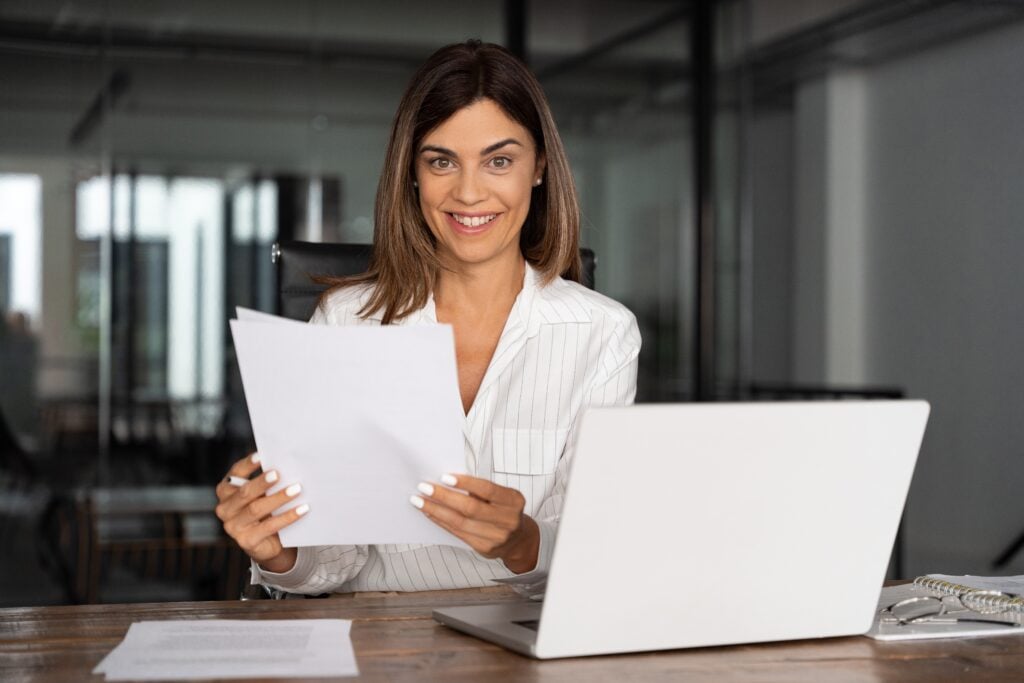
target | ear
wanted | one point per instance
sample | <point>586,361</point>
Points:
<point>540,166</point>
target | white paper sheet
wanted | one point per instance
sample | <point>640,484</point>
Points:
<point>358,416</point>
<point>250,315</point>
<point>226,648</point>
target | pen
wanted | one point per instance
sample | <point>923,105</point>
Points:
<point>237,481</point>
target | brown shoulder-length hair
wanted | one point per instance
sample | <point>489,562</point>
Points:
<point>404,264</point>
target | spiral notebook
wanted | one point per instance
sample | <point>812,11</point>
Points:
<point>975,599</point>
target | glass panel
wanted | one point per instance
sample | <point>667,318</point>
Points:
<point>170,150</point>
<point>617,80</point>
<point>20,300</point>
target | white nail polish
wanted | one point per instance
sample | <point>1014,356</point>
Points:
<point>425,488</point>
<point>255,458</point>
<point>302,509</point>
<point>449,480</point>
<point>293,490</point>
<point>416,501</point>
<point>271,476</point>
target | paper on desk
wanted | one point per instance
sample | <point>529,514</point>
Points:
<point>225,648</point>
<point>358,415</point>
<point>928,631</point>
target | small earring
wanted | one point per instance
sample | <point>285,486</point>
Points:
<point>415,183</point>
<point>536,183</point>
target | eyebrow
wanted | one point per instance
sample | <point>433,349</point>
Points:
<point>484,152</point>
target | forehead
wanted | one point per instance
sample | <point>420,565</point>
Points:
<point>476,126</point>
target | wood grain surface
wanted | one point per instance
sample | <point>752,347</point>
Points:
<point>396,640</point>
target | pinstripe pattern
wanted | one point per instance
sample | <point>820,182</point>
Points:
<point>563,348</point>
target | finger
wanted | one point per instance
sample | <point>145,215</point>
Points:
<point>246,466</point>
<point>229,486</point>
<point>261,507</point>
<point>484,489</point>
<point>470,506</point>
<point>482,545</point>
<point>260,540</point>
<point>231,505</point>
<point>459,524</point>
<point>272,525</point>
<point>241,469</point>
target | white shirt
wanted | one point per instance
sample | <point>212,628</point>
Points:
<point>563,348</point>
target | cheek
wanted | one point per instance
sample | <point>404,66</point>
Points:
<point>521,200</point>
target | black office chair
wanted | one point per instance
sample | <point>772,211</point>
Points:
<point>297,263</point>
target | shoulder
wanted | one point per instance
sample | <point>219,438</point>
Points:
<point>342,306</point>
<point>612,332</point>
<point>566,301</point>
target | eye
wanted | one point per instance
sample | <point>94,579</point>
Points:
<point>501,162</point>
<point>440,163</point>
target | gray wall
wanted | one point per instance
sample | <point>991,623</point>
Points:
<point>923,193</point>
<point>772,186</point>
<point>946,243</point>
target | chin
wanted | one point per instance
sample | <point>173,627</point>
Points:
<point>477,254</point>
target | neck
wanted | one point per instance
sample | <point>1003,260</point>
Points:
<point>479,289</point>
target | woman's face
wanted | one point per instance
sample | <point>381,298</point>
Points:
<point>475,173</point>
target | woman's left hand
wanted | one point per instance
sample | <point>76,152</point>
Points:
<point>490,519</point>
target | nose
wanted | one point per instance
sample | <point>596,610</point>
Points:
<point>469,188</point>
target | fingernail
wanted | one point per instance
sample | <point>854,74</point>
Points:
<point>293,490</point>
<point>425,488</point>
<point>416,501</point>
<point>255,458</point>
<point>449,480</point>
<point>302,509</point>
<point>271,476</point>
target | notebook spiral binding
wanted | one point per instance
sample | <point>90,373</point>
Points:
<point>982,601</point>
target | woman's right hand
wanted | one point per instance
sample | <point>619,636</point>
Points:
<point>246,513</point>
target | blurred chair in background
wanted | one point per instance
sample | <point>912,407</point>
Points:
<point>299,263</point>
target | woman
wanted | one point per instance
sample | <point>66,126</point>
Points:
<point>477,226</point>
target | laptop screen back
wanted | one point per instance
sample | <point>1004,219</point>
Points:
<point>712,524</point>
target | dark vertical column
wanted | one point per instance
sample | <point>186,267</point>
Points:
<point>702,57</point>
<point>287,215</point>
<point>515,28</point>
<point>228,229</point>
<point>330,209</point>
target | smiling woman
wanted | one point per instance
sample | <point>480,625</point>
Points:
<point>406,260</point>
<point>475,192</point>
<point>477,226</point>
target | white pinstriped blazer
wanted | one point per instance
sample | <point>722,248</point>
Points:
<point>564,347</point>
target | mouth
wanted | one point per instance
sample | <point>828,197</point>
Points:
<point>471,224</point>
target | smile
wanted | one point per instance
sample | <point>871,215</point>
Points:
<point>473,221</point>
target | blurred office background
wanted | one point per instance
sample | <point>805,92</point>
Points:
<point>798,198</point>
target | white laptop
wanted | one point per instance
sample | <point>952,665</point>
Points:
<point>712,524</point>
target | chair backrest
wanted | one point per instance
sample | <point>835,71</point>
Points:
<point>13,458</point>
<point>298,263</point>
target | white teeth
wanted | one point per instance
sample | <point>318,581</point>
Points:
<point>474,221</point>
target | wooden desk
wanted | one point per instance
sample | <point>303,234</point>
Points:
<point>396,640</point>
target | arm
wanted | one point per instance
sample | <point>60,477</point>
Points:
<point>317,569</point>
<point>615,388</point>
<point>308,570</point>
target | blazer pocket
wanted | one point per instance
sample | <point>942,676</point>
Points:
<point>528,451</point>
